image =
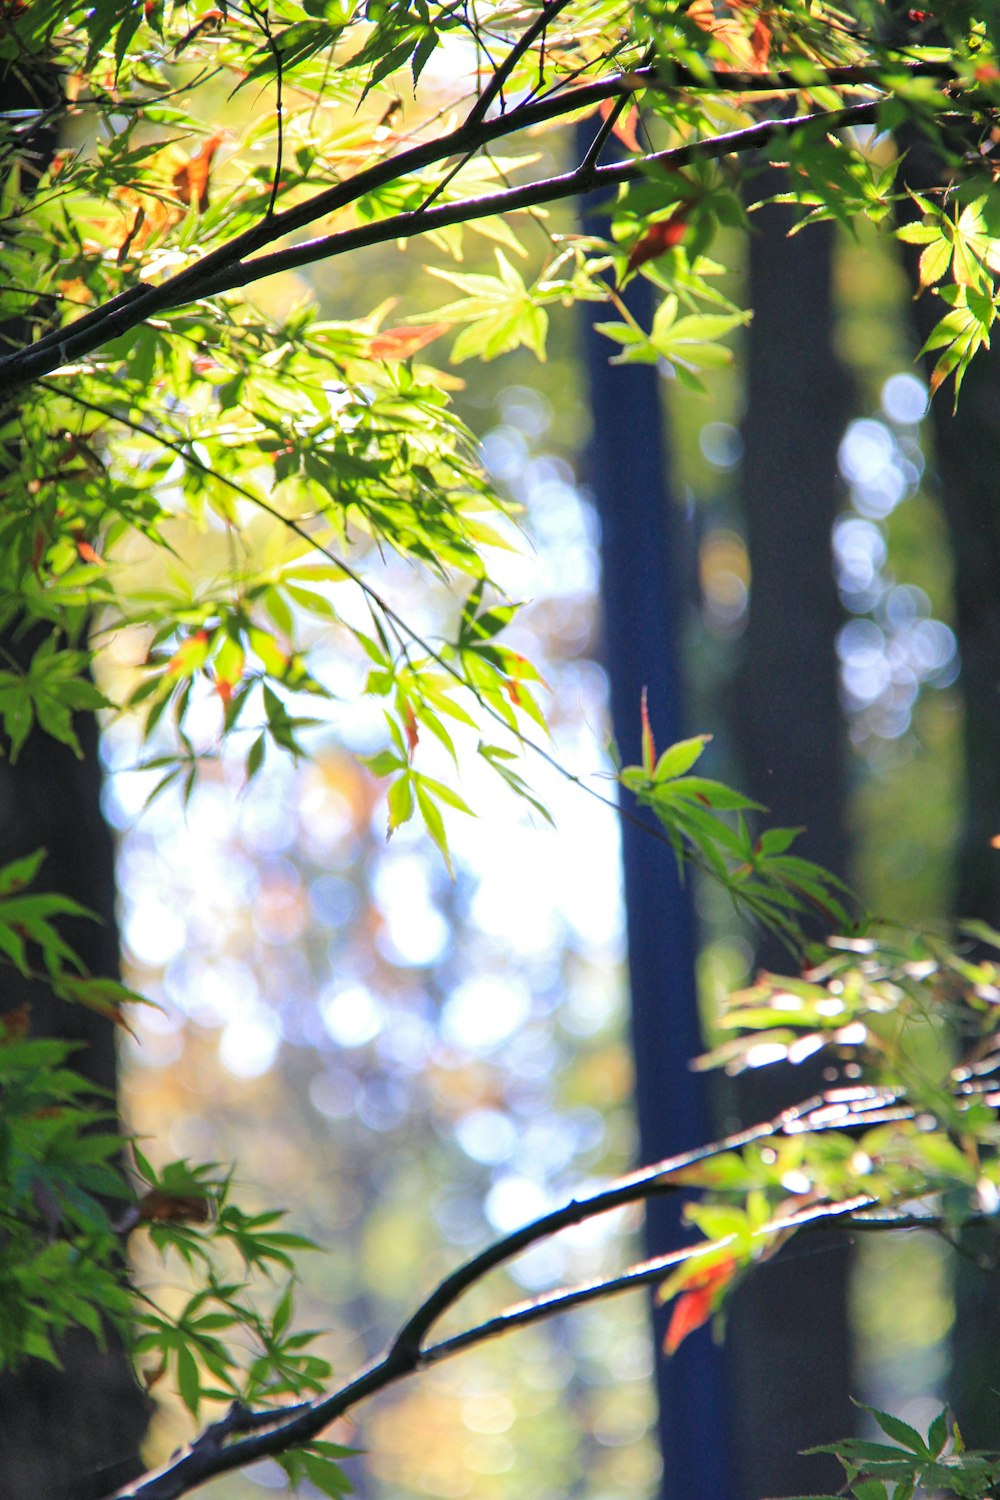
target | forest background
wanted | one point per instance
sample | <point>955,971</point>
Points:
<point>511,1053</point>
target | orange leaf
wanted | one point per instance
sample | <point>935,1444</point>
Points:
<point>191,180</point>
<point>75,290</point>
<point>189,656</point>
<point>659,238</point>
<point>88,555</point>
<point>400,343</point>
<point>748,50</point>
<point>695,1306</point>
<point>162,1207</point>
<point>624,126</point>
<point>760,46</point>
<point>691,1311</point>
<point>410,725</point>
<point>648,743</point>
<point>14,1024</point>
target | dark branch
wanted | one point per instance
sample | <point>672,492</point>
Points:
<point>649,1273</point>
<point>257,1435</point>
<point>585,179</point>
<point>228,266</point>
<point>220,272</point>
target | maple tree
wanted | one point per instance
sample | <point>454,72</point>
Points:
<point>161,404</point>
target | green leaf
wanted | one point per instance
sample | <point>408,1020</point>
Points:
<point>937,1435</point>
<point>400,800</point>
<point>870,1489</point>
<point>282,1313</point>
<point>20,873</point>
<point>680,757</point>
<point>434,823</point>
<point>328,1477</point>
<point>901,1432</point>
<point>188,1379</point>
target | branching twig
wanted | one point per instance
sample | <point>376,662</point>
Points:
<point>229,265</point>
<point>264,1434</point>
<point>494,89</point>
<point>593,154</point>
<point>583,179</point>
<point>652,1272</point>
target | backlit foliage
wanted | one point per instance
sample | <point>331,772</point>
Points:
<point>196,463</point>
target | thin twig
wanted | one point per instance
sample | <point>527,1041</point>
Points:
<point>494,89</point>
<point>853,1105</point>
<point>609,122</point>
<point>645,1273</point>
<point>263,21</point>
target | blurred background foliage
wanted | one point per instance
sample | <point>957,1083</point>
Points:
<point>411,1064</point>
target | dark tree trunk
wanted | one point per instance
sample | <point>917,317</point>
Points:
<point>966,444</point>
<point>74,1433</point>
<point>628,476</point>
<point>788,1338</point>
<point>70,1434</point>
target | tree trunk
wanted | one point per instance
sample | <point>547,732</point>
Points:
<point>965,443</point>
<point>627,474</point>
<point>74,1433</point>
<point>788,1338</point>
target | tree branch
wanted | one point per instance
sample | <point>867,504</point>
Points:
<point>648,1273</point>
<point>228,266</point>
<point>585,179</point>
<point>263,1434</point>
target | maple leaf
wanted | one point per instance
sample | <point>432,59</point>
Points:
<point>14,1024</point>
<point>163,1207</point>
<point>648,743</point>
<point>191,180</point>
<point>410,726</point>
<point>697,1303</point>
<point>749,50</point>
<point>190,655</point>
<point>401,343</point>
<point>760,46</point>
<point>625,126</point>
<point>660,237</point>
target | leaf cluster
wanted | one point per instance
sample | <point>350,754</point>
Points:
<point>221,485</point>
